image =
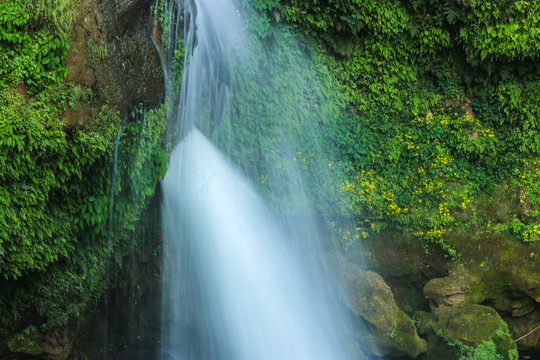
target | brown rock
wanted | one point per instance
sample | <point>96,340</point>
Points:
<point>447,291</point>
<point>113,54</point>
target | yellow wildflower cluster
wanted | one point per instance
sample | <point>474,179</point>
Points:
<point>478,130</point>
<point>435,233</point>
<point>465,200</point>
<point>529,175</point>
<point>443,210</point>
<point>346,186</point>
<point>367,187</point>
<point>532,233</point>
<point>486,133</point>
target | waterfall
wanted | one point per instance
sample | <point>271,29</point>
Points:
<point>245,201</point>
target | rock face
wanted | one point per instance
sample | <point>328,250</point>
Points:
<point>112,53</point>
<point>510,289</point>
<point>371,299</point>
<point>466,329</point>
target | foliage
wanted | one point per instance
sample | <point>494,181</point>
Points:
<point>443,108</point>
<point>168,18</point>
<point>60,218</point>
<point>502,30</point>
<point>34,41</point>
<point>97,53</point>
<point>63,214</point>
<point>496,347</point>
<point>41,164</point>
<point>261,21</point>
<point>77,95</point>
<point>21,342</point>
<point>347,17</point>
<point>486,350</point>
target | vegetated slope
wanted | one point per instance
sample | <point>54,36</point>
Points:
<point>62,215</point>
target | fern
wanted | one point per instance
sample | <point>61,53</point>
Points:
<point>416,4</point>
<point>413,29</point>
<point>451,14</point>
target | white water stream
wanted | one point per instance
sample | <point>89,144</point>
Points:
<point>259,302</point>
<point>240,282</point>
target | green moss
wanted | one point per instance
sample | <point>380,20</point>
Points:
<point>467,331</point>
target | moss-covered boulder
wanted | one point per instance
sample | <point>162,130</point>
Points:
<point>371,299</point>
<point>467,331</point>
<point>499,273</point>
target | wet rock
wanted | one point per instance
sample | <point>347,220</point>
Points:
<point>56,344</point>
<point>370,298</point>
<point>113,54</point>
<point>465,329</point>
<point>125,11</point>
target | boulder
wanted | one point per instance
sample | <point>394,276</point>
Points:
<point>367,295</point>
<point>507,279</point>
<point>466,330</point>
<point>447,291</point>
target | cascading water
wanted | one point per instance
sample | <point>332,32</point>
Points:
<point>243,278</point>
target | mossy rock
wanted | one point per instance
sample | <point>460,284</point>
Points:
<point>371,299</point>
<point>467,331</point>
<point>448,291</point>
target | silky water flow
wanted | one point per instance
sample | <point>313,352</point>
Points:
<point>244,278</point>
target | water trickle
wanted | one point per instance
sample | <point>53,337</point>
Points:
<point>114,179</point>
<point>243,275</point>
